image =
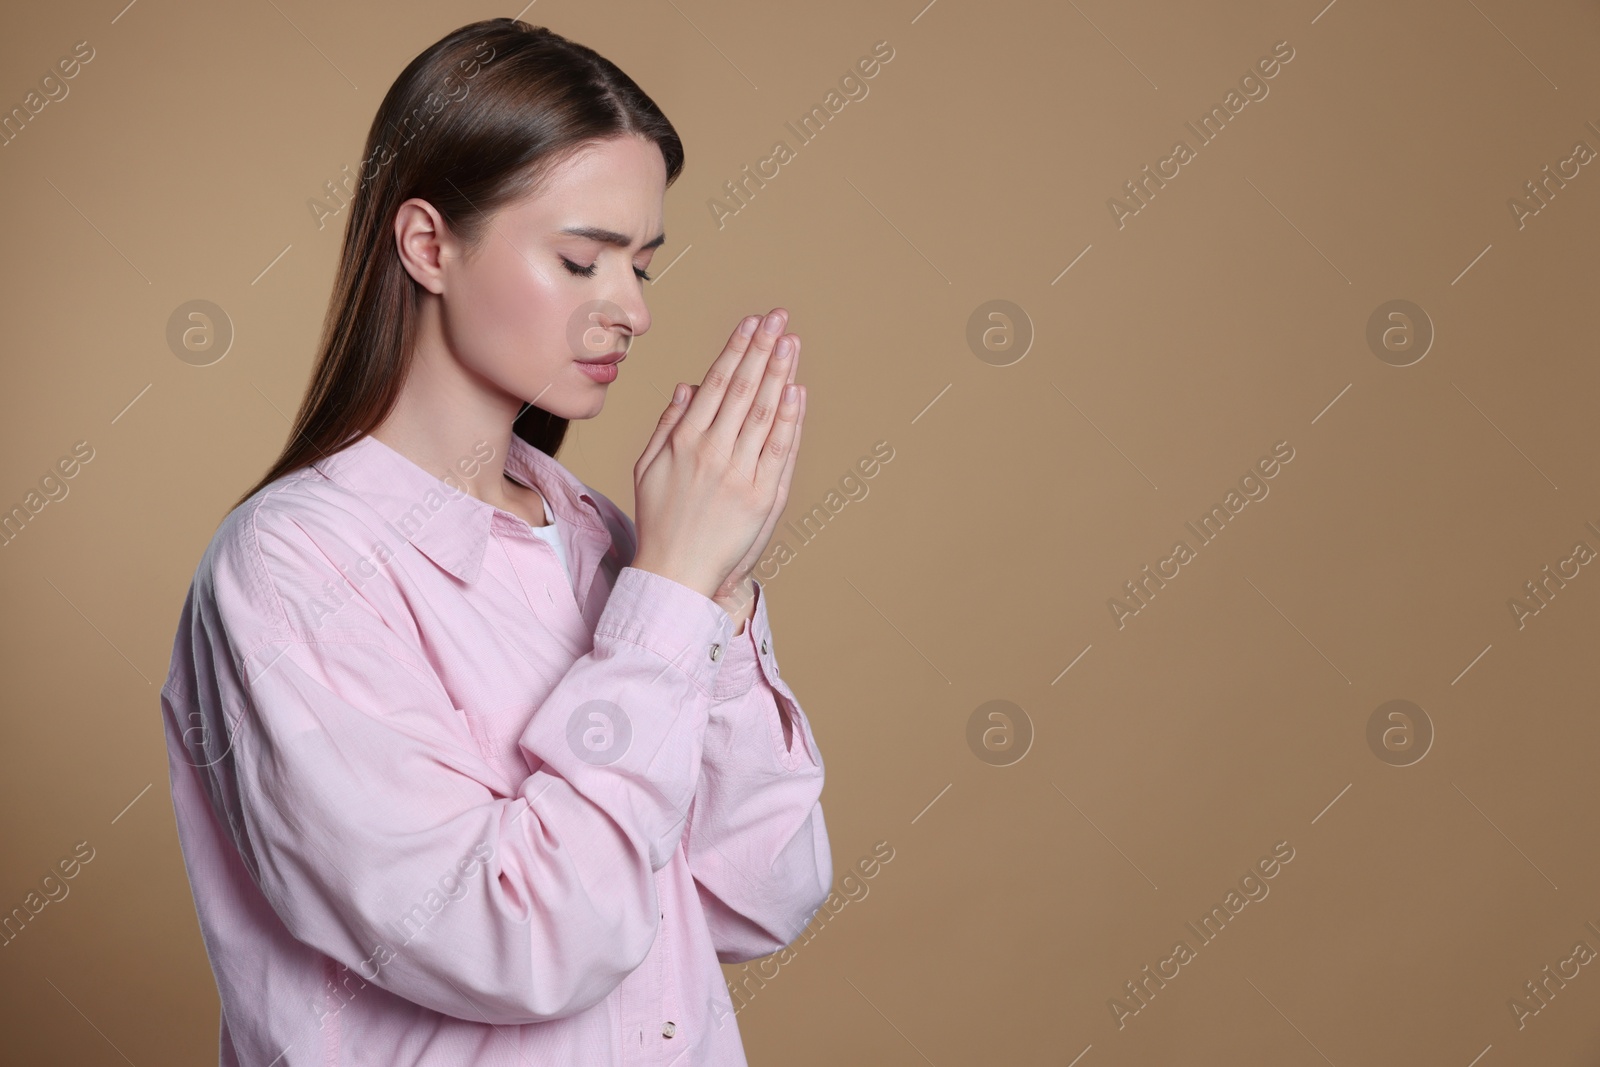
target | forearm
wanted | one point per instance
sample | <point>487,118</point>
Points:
<point>756,839</point>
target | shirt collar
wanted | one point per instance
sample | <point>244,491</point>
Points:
<point>447,524</point>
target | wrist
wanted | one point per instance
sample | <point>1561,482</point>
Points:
<point>738,592</point>
<point>739,604</point>
<point>705,589</point>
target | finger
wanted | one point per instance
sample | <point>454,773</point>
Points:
<point>764,405</point>
<point>788,470</point>
<point>794,362</point>
<point>782,441</point>
<point>780,498</point>
<point>669,418</point>
<point>725,395</point>
<point>794,450</point>
<point>700,412</point>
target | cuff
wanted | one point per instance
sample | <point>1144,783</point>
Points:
<point>681,625</point>
<point>751,655</point>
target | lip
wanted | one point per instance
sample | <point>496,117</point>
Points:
<point>609,357</point>
<point>599,371</point>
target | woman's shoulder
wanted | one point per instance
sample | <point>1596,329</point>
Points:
<point>271,560</point>
<point>303,561</point>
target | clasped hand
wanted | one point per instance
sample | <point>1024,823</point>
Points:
<point>715,474</point>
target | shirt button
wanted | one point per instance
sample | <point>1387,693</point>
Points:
<point>668,1030</point>
<point>716,653</point>
<point>763,646</point>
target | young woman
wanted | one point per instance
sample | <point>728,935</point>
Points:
<point>467,770</point>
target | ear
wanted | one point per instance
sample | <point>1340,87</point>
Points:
<point>424,243</point>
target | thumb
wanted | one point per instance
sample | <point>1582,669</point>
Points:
<point>669,418</point>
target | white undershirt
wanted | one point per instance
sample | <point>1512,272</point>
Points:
<point>549,534</point>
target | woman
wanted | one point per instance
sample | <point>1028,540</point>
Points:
<point>466,772</point>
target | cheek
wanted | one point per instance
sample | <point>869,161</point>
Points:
<point>507,321</point>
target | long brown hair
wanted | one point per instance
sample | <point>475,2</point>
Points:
<point>531,99</point>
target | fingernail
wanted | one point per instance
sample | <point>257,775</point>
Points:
<point>785,346</point>
<point>748,326</point>
<point>791,393</point>
<point>771,326</point>
<point>678,393</point>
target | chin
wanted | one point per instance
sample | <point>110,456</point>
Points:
<point>576,411</point>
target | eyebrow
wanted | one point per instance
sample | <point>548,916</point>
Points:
<point>611,237</point>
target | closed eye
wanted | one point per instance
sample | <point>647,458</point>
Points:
<point>588,272</point>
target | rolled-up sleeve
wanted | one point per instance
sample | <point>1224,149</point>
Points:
<point>365,815</point>
<point>756,840</point>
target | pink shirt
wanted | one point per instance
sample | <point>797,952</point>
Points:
<point>441,806</point>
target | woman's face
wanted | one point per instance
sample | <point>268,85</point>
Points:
<point>555,282</point>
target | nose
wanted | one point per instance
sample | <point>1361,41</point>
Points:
<point>629,312</point>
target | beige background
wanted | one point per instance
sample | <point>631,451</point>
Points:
<point>1228,315</point>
